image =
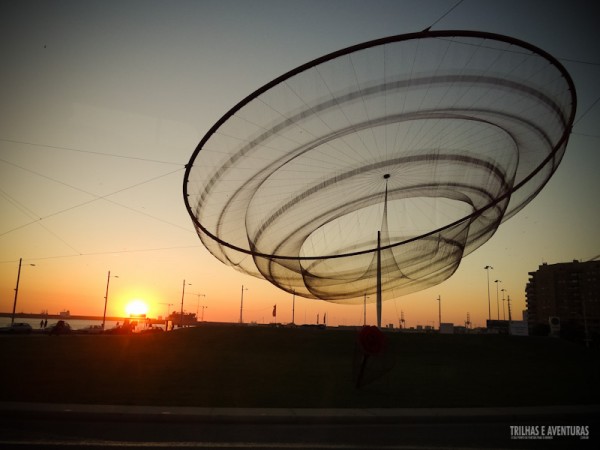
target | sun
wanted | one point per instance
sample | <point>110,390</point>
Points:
<point>136,307</point>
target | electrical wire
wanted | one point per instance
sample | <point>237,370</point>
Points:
<point>115,252</point>
<point>70,149</point>
<point>94,199</point>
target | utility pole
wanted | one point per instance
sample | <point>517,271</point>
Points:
<point>365,310</point>
<point>182,295</point>
<point>12,319</point>
<point>106,298</point>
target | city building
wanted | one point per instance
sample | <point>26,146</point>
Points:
<point>564,299</point>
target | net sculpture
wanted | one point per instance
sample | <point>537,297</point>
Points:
<point>375,169</point>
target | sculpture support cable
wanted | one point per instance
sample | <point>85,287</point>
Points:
<point>450,132</point>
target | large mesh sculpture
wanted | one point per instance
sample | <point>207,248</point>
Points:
<point>428,140</point>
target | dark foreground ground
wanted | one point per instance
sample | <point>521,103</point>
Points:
<point>51,427</point>
<point>230,366</point>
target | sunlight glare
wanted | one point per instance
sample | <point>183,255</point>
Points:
<point>136,307</point>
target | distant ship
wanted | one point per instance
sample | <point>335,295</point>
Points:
<point>65,314</point>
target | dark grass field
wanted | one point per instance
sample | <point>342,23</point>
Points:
<point>231,366</point>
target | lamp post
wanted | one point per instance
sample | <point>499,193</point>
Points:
<point>198,304</point>
<point>242,303</point>
<point>106,298</point>
<point>365,310</point>
<point>503,300</point>
<point>487,268</point>
<point>439,299</point>
<point>182,295</point>
<point>12,319</point>
<point>168,305</point>
<point>293,306</point>
<point>497,297</point>
<point>203,308</point>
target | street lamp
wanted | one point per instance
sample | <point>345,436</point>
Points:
<point>503,311</point>
<point>203,308</point>
<point>497,300</point>
<point>182,295</point>
<point>168,305</point>
<point>12,319</point>
<point>293,306</point>
<point>487,268</point>
<point>439,299</point>
<point>106,298</point>
<point>198,305</point>
<point>242,303</point>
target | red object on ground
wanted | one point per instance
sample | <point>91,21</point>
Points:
<point>372,340</point>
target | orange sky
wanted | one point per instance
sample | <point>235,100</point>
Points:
<point>103,104</point>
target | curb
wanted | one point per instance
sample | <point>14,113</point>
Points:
<point>43,411</point>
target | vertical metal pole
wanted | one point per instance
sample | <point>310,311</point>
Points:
<point>12,319</point>
<point>105,300</point>
<point>242,304</point>
<point>181,312</point>
<point>365,311</point>
<point>198,305</point>
<point>440,310</point>
<point>379,279</point>
<point>487,268</point>
<point>497,299</point>
<point>384,227</point>
<point>293,306</point>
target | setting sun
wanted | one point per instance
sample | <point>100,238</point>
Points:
<point>136,307</point>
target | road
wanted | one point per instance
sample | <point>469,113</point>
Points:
<point>92,432</point>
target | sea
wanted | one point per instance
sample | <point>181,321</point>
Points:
<point>75,324</point>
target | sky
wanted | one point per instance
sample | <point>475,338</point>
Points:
<point>103,103</point>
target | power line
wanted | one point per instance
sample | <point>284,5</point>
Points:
<point>70,149</point>
<point>115,252</point>
<point>96,197</point>
<point>34,216</point>
<point>20,206</point>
